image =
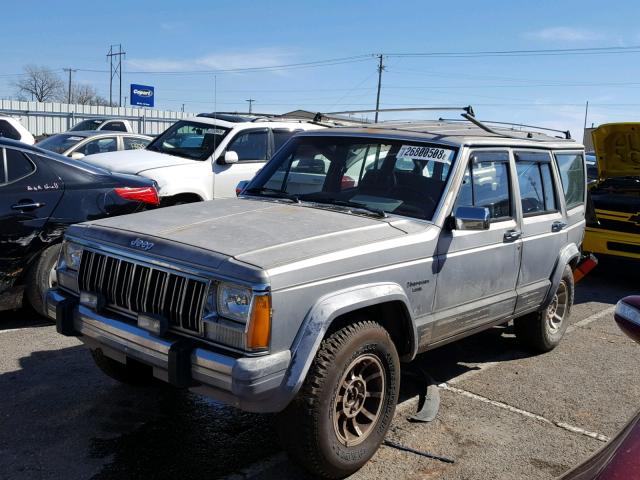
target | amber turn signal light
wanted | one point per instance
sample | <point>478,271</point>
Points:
<point>259,331</point>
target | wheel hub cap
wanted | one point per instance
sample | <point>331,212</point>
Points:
<point>359,400</point>
<point>557,309</point>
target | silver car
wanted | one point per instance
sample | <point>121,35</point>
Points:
<point>353,250</point>
<point>80,144</point>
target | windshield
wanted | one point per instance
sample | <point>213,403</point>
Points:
<point>192,140</point>
<point>60,143</point>
<point>87,125</point>
<point>400,177</point>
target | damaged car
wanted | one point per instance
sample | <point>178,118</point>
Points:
<point>42,193</point>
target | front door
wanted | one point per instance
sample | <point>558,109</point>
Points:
<point>543,226</point>
<point>252,147</point>
<point>28,195</point>
<point>478,269</point>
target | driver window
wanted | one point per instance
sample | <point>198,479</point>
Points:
<point>486,184</point>
<point>250,146</point>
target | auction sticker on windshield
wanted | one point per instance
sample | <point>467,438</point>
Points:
<point>425,153</point>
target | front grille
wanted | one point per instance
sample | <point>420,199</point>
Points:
<point>138,288</point>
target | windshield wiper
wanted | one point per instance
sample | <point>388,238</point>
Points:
<point>272,192</point>
<point>356,205</point>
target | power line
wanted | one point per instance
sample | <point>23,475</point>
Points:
<point>549,51</point>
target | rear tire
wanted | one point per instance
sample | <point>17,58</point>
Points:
<point>41,277</point>
<point>345,406</point>
<point>542,331</point>
<point>131,373</point>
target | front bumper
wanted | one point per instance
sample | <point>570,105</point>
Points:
<point>250,383</point>
<point>611,242</point>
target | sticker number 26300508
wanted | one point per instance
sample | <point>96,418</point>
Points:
<point>425,153</point>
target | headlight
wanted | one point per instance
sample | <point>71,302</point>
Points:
<point>72,255</point>
<point>234,302</point>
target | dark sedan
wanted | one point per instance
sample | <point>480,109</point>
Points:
<point>620,458</point>
<point>41,193</point>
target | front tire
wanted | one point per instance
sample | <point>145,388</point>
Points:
<point>343,411</point>
<point>542,331</point>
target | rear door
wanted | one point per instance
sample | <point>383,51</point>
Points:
<point>29,192</point>
<point>252,147</point>
<point>543,225</point>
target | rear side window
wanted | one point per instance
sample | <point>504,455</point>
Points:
<point>7,131</point>
<point>115,127</point>
<point>280,137</point>
<point>16,165</point>
<point>571,168</point>
<point>486,184</point>
<point>537,194</point>
<point>134,143</point>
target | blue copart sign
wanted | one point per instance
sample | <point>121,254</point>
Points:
<point>142,95</point>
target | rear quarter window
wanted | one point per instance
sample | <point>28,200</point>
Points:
<point>571,168</point>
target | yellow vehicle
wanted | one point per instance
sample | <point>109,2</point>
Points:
<point>616,192</point>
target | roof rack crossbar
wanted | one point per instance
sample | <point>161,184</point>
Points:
<point>468,109</point>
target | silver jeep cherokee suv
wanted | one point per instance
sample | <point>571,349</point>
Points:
<point>353,249</point>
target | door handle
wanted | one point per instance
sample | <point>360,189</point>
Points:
<point>511,235</point>
<point>27,206</point>
<point>558,226</point>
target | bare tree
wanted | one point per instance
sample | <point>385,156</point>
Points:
<point>39,83</point>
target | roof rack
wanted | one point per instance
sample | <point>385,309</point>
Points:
<point>565,133</point>
<point>468,114</point>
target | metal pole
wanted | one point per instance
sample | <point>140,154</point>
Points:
<point>586,112</point>
<point>69,87</point>
<point>120,74</point>
<point>251,100</point>
<point>380,68</point>
<point>110,76</point>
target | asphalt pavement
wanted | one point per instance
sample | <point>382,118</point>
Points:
<point>505,414</point>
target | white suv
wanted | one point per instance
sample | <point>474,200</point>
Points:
<point>205,157</point>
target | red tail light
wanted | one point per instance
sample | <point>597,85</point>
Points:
<point>141,194</point>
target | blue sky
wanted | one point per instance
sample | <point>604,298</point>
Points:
<point>189,36</point>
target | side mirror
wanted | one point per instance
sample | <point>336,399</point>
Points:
<point>241,186</point>
<point>77,155</point>
<point>472,218</point>
<point>230,157</point>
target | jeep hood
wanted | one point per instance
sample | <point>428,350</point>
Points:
<point>134,161</point>
<point>617,147</point>
<point>261,233</point>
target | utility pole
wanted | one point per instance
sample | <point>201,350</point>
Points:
<point>380,69</point>
<point>183,108</point>
<point>115,70</point>
<point>70,70</point>
<point>251,100</point>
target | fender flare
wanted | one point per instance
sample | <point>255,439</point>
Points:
<point>567,254</point>
<point>320,317</point>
